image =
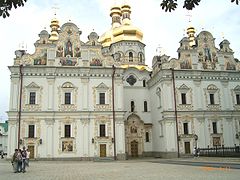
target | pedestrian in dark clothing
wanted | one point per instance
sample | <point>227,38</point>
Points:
<point>24,155</point>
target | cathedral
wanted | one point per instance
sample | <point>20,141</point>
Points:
<point>98,99</point>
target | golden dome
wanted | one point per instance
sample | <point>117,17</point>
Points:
<point>54,29</point>
<point>106,38</point>
<point>127,32</point>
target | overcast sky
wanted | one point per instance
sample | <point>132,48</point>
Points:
<point>160,29</point>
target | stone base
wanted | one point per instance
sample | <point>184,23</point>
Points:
<point>166,155</point>
<point>121,156</point>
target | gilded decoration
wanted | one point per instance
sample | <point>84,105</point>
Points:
<point>95,62</point>
<point>68,61</point>
<point>41,59</point>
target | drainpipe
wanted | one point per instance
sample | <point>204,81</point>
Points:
<point>20,103</point>
<point>113,111</point>
<point>175,110</point>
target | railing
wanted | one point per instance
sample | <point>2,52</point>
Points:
<point>220,151</point>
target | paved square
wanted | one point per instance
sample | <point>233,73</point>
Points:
<point>119,170</point>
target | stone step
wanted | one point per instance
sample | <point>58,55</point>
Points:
<point>103,159</point>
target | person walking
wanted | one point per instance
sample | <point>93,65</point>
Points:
<point>24,156</point>
<point>14,161</point>
<point>19,160</point>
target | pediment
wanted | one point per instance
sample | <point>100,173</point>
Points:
<point>102,86</point>
<point>67,85</point>
<point>32,85</point>
<point>237,88</point>
<point>212,87</point>
<point>184,87</point>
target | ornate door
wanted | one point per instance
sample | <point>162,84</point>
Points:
<point>102,150</point>
<point>31,150</point>
<point>134,148</point>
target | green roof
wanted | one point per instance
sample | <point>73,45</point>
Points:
<point>5,125</point>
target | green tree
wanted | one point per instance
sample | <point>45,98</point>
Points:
<point>7,5</point>
<point>169,5</point>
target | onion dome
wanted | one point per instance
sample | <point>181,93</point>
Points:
<point>54,30</point>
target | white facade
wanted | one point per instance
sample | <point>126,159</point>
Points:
<point>67,108</point>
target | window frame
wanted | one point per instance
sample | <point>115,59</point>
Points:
<point>145,106</point>
<point>31,131</point>
<point>67,130</point>
<point>66,98</point>
<point>185,128</point>
<point>102,100</point>
<point>102,130</point>
<point>184,98</point>
<point>32,99</point>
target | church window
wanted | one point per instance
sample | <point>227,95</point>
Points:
<point>158,92</point>
<point>144,83</point>
<point>132,106</point>
<point>101,98</point>
<point>140,58</point>
<point>238,99</point>
<point>102,130</point>
<point>145,106</point>
<point>160,129</point>
<point>67,98</point>
<point>32,98</point>
<point>147,136</point>
<point>185,128</point>
<point>131,80</point>
<point>211,96</point>
<point>214,126</point>
<point>31,129</point>
<point>93,43</point>
<point>183,95</point>
<point>67,131</point>
<point>130,57</point>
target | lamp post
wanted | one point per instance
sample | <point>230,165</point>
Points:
<point>175,111</point>
<point>20,103</point>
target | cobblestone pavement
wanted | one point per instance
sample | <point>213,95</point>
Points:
<point>119,170</point>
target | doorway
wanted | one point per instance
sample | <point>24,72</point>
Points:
<point>31,150</point>
<point>103,150</point>
<point>134,148</point>
<point>187,147</point>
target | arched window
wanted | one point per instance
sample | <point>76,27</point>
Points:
<point>130,57</point>
<point>144,83</point>
<point>132,106</point>
<point>145,106</point>
<point>140,58</point>
<point>147,136</point>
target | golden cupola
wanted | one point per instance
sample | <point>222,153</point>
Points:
<point>116,16</point>
<point>191,32</point>
<point>126,31</point>
<point>54,30</point>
